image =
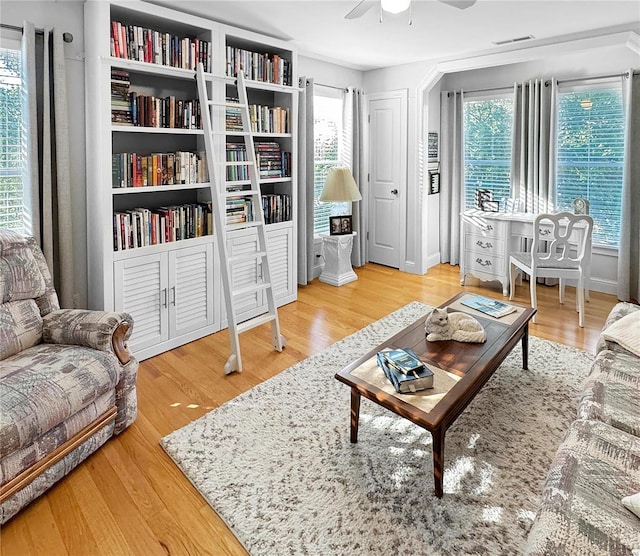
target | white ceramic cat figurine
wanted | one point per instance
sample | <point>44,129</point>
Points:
<point>461,327</point>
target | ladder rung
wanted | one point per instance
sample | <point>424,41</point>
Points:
<point>240,163</point>
<point>242,225</point>
<point>225,103</point>
<point>246,257</point>
<point>242,193</point>
<point>255,321</point>
<point>233,133</point>
<point>252,288</point>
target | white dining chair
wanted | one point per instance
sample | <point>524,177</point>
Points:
<point>561,249</point>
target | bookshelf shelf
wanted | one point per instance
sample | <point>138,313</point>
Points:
<point>137,279</point>
<point>154,130</point>
<point>157,188</point>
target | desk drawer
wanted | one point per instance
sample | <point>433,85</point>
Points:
<point>484,244</point>
<point>485,263</point>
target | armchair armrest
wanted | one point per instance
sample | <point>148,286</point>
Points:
<point>101,330</point>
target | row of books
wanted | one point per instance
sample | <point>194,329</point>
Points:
<point>120,104</point>
<point>239,210</point>
<point>405,370</point>
<point>276,207</point>
<point>237,152</point>
<point>137,170</point>
<point>133,42</point>
<point>165,112</point>
<point>263,119</point>
<point>270,68</point>
<point>142,227</point>
<point>272,162</point>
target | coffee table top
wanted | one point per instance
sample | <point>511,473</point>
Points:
<point>460,369</point>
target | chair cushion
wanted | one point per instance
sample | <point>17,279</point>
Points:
<point>44,385</point>
<point>20,276</point>
<point>619,311</point>
<point>20,326</point>
<point>612,392</point>
<point>625,332</point>
<point>524,258</point>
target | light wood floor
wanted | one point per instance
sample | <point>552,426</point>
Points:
<point>129,498</point>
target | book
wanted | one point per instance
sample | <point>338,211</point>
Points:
<point>403,360</point>
<point>419,379</point>
<point>488,306</point>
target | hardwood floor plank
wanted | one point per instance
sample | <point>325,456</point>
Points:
<point>130,498</point>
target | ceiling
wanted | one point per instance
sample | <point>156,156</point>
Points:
<point>317,28</point>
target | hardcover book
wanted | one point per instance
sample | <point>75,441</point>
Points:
<point>419,379</point>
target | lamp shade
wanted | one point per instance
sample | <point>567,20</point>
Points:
<point>340,186</point>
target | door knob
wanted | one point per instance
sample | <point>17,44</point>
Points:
<point>394,191</point>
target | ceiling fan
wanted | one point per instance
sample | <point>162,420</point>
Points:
<point>399,6</point>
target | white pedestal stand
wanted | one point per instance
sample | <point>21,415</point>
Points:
<point>337,259</point>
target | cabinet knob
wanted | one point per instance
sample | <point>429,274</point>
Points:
<point>394,191</point>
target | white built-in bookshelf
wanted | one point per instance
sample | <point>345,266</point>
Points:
<point>151,250</point>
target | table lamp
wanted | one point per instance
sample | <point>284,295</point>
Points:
<point>340,187</point>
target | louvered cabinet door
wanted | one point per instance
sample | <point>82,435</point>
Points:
<point>141,288</point>
<point>280,242</point>
<point>190,289</point>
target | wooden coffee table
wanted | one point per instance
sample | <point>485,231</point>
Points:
<point>460,370</point>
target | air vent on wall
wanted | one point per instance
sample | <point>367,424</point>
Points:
<point>517,39</point>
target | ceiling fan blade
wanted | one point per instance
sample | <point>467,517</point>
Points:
<point>462,4</point>
<point>362,8</point>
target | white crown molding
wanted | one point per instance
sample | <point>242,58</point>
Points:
<point>541,50</point>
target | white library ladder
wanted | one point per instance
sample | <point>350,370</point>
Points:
<point>251,198</point>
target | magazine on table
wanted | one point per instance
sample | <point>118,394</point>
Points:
<point>488,306</point>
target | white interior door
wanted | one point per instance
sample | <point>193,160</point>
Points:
<point>387,176</point>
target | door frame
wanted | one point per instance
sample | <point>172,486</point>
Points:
<point>403,95</point>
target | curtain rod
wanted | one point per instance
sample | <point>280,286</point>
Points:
<point>623,74</point>
<point>66,37</point>
<point>345,89</point>
<point>508,88</point>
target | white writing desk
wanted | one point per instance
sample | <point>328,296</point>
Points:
<point>486,240</point>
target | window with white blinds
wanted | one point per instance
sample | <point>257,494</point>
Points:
<point>590,147</point>
<point>328,134</point>
<point>11,154</point>
<point>488,125</point>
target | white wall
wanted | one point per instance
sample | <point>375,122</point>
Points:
<point>66,17</point>
<point>422,209</point>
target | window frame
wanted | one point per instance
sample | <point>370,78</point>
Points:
<point>490,94</point>
<point>336,94</point>
<point>582,86</point>
<point>15,44</point>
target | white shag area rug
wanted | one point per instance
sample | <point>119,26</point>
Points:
<point>277,465</point>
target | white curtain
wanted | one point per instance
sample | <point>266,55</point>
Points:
<point>305,182</point>
<point>533,150</point>
<point>629,249</point>
<point>354,128</point>
<point>46,180</point>
<point>451,175</point>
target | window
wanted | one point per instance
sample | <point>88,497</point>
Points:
<point>488,124</point>
<point>11,155</point>
<point>328,152</point>
<point>590,155</point>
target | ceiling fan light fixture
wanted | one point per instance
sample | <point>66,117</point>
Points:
<point>395,6</point>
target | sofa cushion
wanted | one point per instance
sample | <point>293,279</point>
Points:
<point>44,385</point>
<point>612,391</point>
<point>581,510</point>
<point>619,311</point>
<point>20,276</point>
<point>625,332</point>
<point>20,326</point>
